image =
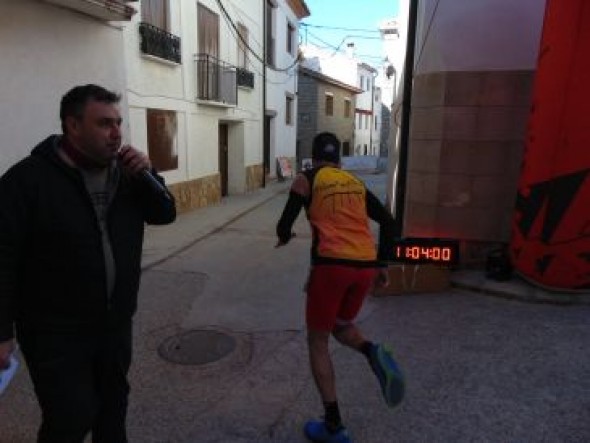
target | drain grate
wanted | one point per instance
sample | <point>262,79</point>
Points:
<point>197,347</point>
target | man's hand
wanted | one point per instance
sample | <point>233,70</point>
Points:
<point>283,243</point>
<point>6,349</point>
<point>134,161</point>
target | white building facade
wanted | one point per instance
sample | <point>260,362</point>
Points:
<point>281,48</point>
<point>195,89</point>
<point>366,121</point>
<point>47,47</point>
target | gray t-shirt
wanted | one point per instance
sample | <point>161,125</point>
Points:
<point>99,184</point>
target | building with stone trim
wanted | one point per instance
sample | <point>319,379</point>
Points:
<point>196,95</point>
<point>326,104</point>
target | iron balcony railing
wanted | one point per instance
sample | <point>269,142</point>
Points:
<point>216,80</point>
<point>245,78</point>
<point>159,43</point>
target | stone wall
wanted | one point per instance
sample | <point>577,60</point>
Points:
<point>194,194</point>
<point>307,117</point>
<point>253,177</point>
<point>466,146</point>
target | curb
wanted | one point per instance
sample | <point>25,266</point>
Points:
<point>537,296</point>
<point>215,230</point>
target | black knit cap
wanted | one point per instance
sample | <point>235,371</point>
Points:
<point>326,147</point>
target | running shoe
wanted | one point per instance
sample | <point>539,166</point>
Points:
<point>317,432</point>
<point>388,373</point>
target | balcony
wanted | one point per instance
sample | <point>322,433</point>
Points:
<point>245,78</point>
<point>106,10</point>
<point>216,80</point>
<point>159,43</point>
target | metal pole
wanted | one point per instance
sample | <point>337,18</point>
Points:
<point>402,176</point>
<point>264,128</point>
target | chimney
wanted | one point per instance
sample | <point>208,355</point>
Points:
<point>350,50</point>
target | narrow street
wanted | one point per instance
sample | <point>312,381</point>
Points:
<point>478,368</point>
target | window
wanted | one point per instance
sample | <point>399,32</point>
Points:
<point>376,122</point>
<point>368,84</point>
<point>359,121</point>
<point>242,46</point>
<point>208,25</point>
<point>155,12</point>
<point>362,83</point>
<point>270,33</point>
<point>162,130</point>
<point>329,104</point>
<point>290,38</point>
<point>347,107</point>
<point>289,109</point>
<point>208,66</point>
<point>366,121</point>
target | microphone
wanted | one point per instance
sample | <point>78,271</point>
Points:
<point>146,176</point>
<point>154,184</point>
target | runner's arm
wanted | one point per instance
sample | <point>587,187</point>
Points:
<point>376,211</point>
<point>297,198</point>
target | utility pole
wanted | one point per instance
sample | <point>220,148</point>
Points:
<point>402,173</point>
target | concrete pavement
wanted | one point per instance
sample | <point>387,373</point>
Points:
<point>479,368</point>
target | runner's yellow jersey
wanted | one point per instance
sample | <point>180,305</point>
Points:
<point>338,216</point>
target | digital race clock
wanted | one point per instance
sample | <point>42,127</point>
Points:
<point>426,250</point>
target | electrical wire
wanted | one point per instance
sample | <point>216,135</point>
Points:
<point>240,14</point>
<point>290,75</point>
<point>235,33</point>
<point>231,23</point>
<point>307,25</point>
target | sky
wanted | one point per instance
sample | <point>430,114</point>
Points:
<point>351,14</point>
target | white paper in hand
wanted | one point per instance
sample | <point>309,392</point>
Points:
<point>7,374</point>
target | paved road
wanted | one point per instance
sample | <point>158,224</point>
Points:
<point>479,369</point>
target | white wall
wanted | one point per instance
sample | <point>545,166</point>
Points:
<point>160,84</point>
<point>279,84</point>
<point>44,52</point>
<point>479,35</point>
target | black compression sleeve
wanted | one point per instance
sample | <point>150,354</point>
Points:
<point>290,213</point>
<point>376,211</point>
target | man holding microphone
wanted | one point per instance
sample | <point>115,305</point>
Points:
<point>72,218</point>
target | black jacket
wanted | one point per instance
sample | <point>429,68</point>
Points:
<point>52,268</point>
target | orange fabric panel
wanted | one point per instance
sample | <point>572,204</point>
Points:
<point>551,230</point>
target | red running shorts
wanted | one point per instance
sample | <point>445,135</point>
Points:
<point>335,295</point>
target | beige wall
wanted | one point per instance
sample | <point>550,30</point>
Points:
<point>471,100</point>
<point>466,144</point>
<point>342,126</point>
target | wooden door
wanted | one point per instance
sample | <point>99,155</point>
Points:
<point>223,158</point>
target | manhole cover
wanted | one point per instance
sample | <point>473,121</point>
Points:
<point>197,347</point>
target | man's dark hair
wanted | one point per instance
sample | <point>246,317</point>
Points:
<point>326,147</point>
<point>74,101</point>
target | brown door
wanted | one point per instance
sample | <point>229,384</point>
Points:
<point>223,158</point>
<point>266,159</point>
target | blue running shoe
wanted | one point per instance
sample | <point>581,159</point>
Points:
<point>389,375</point>
<point>317,432</point>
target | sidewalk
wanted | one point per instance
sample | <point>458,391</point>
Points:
<point>189,228</point>
<point>162,242</point>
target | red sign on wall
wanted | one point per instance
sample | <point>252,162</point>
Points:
<point>551,227</point>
